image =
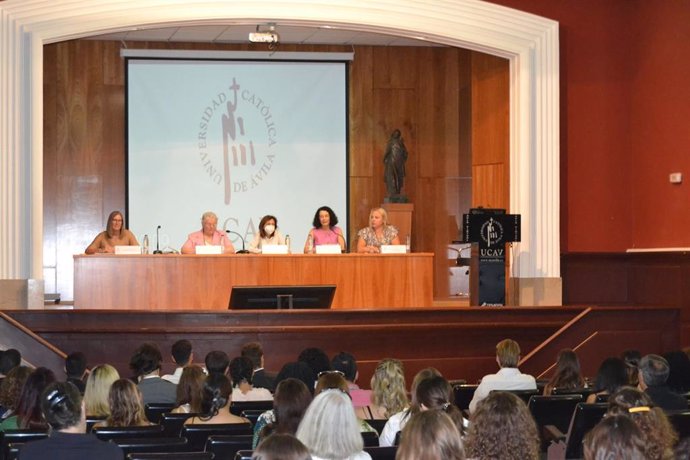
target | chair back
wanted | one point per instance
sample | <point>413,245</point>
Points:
<point>157,445</point>
<point>463,394</point>
<point>92,420</point>
<point>172,423</point>
<point>226,446</point>
<point>377,423</point>
<point>522,394</point>
<point>17,437</point>
<point>237,407</point>
<point>553,410</point>
<point>107,433</point>
<point>252,415</point>
<point>585,417</point>
<point>585,392</point>
<point>380,453</point>
<point>370,439</point>
<point>154,411</point>
<point>197,434</point>
<point>680,419</point>
<point>244,455</point>
<point>171,456</point>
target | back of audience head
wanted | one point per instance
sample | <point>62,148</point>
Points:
<point>652,421</point>
<point>507,353</point>
<point>241,370</point>
<point>146,359</point>
<point>435,393</point>
<point>430,435</point>
<point>632,358</point>
<point>290,402</point>
<point>98,385</point>
<point>217,362</point>
<point>347,364</point>
<point>611,375</point>
<point>11,387</point>
<point>331,380</point>
<point>679,376</point>
<point>255,352</point>
<point>190,387</point>
<point>297,370</point>
<point>215,395</point>
<point>330,428</point>
<point>29,413</point>
<point>61,405</point>
<point>502,427</point>
<point>615,437</point>
<point>388,386</point>
<point>126,407</point>
<point>75,365</point>
<point>653,371</point>
<point>424,374</point>
<point>567,374</point>
<point>9,359</point>
<point>315,358</point>
<point>181,352</point>
<point>281,447</point>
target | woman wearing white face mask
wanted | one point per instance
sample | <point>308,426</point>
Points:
<point>268,234</point>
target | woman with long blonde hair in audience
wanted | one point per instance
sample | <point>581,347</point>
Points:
<point>389,394</point>
<point>567,375</point>
<point>430,435</point>
<point>189,390</point>
<point>126,406</point>
<point>97,390</point>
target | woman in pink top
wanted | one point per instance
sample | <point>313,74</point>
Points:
<point>325,230</point>
<point>208,235</point>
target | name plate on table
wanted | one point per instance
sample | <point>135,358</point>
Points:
<point>393,249</point>
<point>274,249</point>
<point>203,249</point>
<point>127,250</point>
<point>328,249</point>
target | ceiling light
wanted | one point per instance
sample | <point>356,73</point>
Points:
<point>264,36</point>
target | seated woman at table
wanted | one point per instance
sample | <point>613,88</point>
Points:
<point>370,239</point>
<point>268,234</point>
<point>325,230</point>
<point>209,235</point>
<point>115,234</point>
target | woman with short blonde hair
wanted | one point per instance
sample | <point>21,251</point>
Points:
<point>370,238</point>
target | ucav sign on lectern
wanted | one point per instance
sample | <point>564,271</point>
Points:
<point>489,230</point>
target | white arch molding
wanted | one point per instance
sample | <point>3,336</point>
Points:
<point>529,42</point>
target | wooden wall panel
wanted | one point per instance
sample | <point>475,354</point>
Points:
<point>489,187</point>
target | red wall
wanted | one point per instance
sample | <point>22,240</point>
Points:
<point>624,107</point>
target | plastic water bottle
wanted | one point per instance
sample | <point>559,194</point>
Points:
<point>145,249</point>
<point>287,242</point>
<point>310,244</point>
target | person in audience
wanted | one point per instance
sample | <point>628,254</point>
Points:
<point>10,389</point>
<point>508,377</point>
<point>241,370</point>
<point>615,437</point>
<point>632,358</point>
<point>315,358</point>
<point>261,378</point>
<point>289,405</point>
<point>98,385</point>
<point>28,414</point>
<point>209,235</point>
<point>347,364</point>
<point>217,362</point>
<point>388,391</point>
<point>215,402</point>
<point>281,447</point>
<point>75,368</point>
<point>325,230</point>
<point>334,380</point>
<point>126,407</point>
<point>189,390</point>
<point>330,429</point>
<point>501,426</point>
<point>9,359</point>
<point>612,375</point>
<point>679,375</point>
<point>300,371</point>
<point>370,239</point>
<point>115,234</point>
<point>653,374</point>
<point>268,234</point>
<point>657,431</point>
<point>567,375</point>
<point>146,364</point>
<point>430,435</point>
<point>62,406</point>
<point>682,449</point>
<point>182,356</point>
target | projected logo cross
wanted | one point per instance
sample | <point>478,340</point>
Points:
<point>230,123</point>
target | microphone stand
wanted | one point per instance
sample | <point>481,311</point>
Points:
<point>158,249</point>
<point>243,251</point>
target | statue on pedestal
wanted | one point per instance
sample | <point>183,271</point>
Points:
<point>394,160</point>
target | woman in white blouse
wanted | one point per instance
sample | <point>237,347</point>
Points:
<point>268,234</point>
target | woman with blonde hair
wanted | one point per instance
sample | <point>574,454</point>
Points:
<point>370,239</point>
<point>98,386</point>
<point>389,394</point>
<point>430,435</point>
<point>567,375</point>
<point>126,407</point>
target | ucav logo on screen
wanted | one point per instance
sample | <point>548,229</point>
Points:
<point>241,122</point>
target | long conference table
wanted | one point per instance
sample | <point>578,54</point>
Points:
<point>204,282</point>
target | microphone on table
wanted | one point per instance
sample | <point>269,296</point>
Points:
<point>340,236</point>
<point>158,249</point>
<point>243,251</point>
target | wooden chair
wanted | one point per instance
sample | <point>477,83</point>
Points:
<point>463,395</point>
<point>553,410</point>
<point>237,407</point>
<point>565,446</point>
<point>197,434</point>
<point>122,432</point>
<point>155,410</point>
<point>224,446</point>
<point>172,423</point>
<point>522,394</point>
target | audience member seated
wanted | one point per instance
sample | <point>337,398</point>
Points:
<point>217,362</point>
<point>290,402</point>
<point>281,447</point>
<point>9,359</point>
<point>679,377</point>
<point>189,390</point>
<point>330,429</point>
<point>62,407</point>
<point>215,402</point>
<point>300,371</point>
<point>146,364</point>
<point>11,388</point>
<point>261,378</point>
<point>346,363</point>
<point>28,414</point>
<point>632,358</point>
<point>615,437</point>
<point>501,426</point>
<point>430,435</point>
<point>334,380</point>
<point>388,391</point>
<point>653,375</point>
<point>241,370</point>
<point>316,359</point>
<point>98,385</point>
<point>126,408</point>
<point>182,356</point>
<point>612,375</point>
<point>75,368</point>
<point>567,375</point>
<point>508,377</point>
<point>657,431</point>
